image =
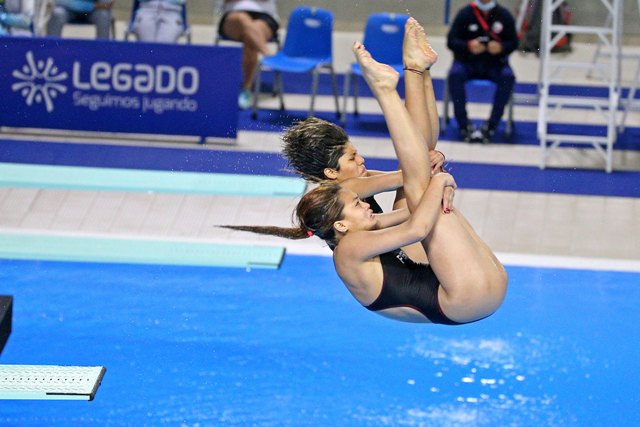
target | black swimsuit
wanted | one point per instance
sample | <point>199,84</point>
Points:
<point>409,284</point>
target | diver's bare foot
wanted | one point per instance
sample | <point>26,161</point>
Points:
<point>431,55</point>
<point>417,54</point>
<point>412,55</point>
<point>378,76</point>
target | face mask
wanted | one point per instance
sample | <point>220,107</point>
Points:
<point>486,6</point>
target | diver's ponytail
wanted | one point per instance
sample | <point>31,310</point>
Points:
<point>316,212</point>
<point>294,233</point>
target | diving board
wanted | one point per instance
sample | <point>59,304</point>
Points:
<point>6,314</point>
<point>138,251</point>
<point>49,382</point>
<point>134,180</point>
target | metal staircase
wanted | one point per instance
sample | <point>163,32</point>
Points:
<point>629,103</point>
<point>610,36</point>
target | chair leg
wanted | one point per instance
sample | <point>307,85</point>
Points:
<point>508,128</point>
<point>445,107</point>
<point>113,28</point>
<point>334,83</point>
<point>256,92</point>
<point>314,89</point>
<point>345,98</point>
<point>278,83</point>
<point>355,96</point>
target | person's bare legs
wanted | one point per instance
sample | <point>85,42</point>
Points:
<point>453,244</point>
<point>432,107</point>
<point>417,56</point>
<point>417,52</point>
<point>465,223</point>
<point>254,35</point>
<point>488,293</point>
<point>473,283</point>
<point>419,96</point>
<point>407,140</point>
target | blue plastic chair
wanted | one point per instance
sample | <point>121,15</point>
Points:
<point>186,29</point>
<point>383,36</point>
<point>484,84</point>
<point>308,48</point>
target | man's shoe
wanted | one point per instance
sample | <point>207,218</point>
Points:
<point>244,99</point>
<point>476,136</point>
<point>466,132</point>
<point>487,132</point>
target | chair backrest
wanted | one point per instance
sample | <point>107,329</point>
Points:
<point>383,36</point>
<point>309,33</point>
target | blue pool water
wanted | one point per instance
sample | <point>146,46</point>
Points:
<point>196,346</point>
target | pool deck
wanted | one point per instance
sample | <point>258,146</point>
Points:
<point>534,226</point>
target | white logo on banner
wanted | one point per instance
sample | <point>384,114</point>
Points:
<point>39,81</point>
<point>144,87</point>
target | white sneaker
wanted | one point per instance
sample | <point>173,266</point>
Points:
<point>244,99</point>
<point>476,136</point>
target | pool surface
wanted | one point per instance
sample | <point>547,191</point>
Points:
<point>214,346</point>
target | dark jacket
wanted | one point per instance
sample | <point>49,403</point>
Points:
<point>466,27</point>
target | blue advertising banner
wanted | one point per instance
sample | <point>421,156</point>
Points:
<point>111,86</point>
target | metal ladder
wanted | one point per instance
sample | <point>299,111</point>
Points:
<point>629,103</point>
<point>610,35</point>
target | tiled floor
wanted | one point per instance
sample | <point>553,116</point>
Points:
<point>605,230</point>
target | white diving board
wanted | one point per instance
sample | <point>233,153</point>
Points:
<point>137,251</point>
<point>49,382</point>
<point>132,180</point>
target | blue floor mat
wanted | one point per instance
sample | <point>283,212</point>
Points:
<point>468,175</point>
<point>373,125</point>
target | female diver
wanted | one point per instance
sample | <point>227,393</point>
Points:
<point>464,281</point>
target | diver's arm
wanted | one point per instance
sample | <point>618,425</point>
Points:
<point>367,186</point>
<point>395,217</point>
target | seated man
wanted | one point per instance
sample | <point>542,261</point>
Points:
<point>482,37</point>
<point>96,12</point>
<point>254,23</point>
<point>14,18</point>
